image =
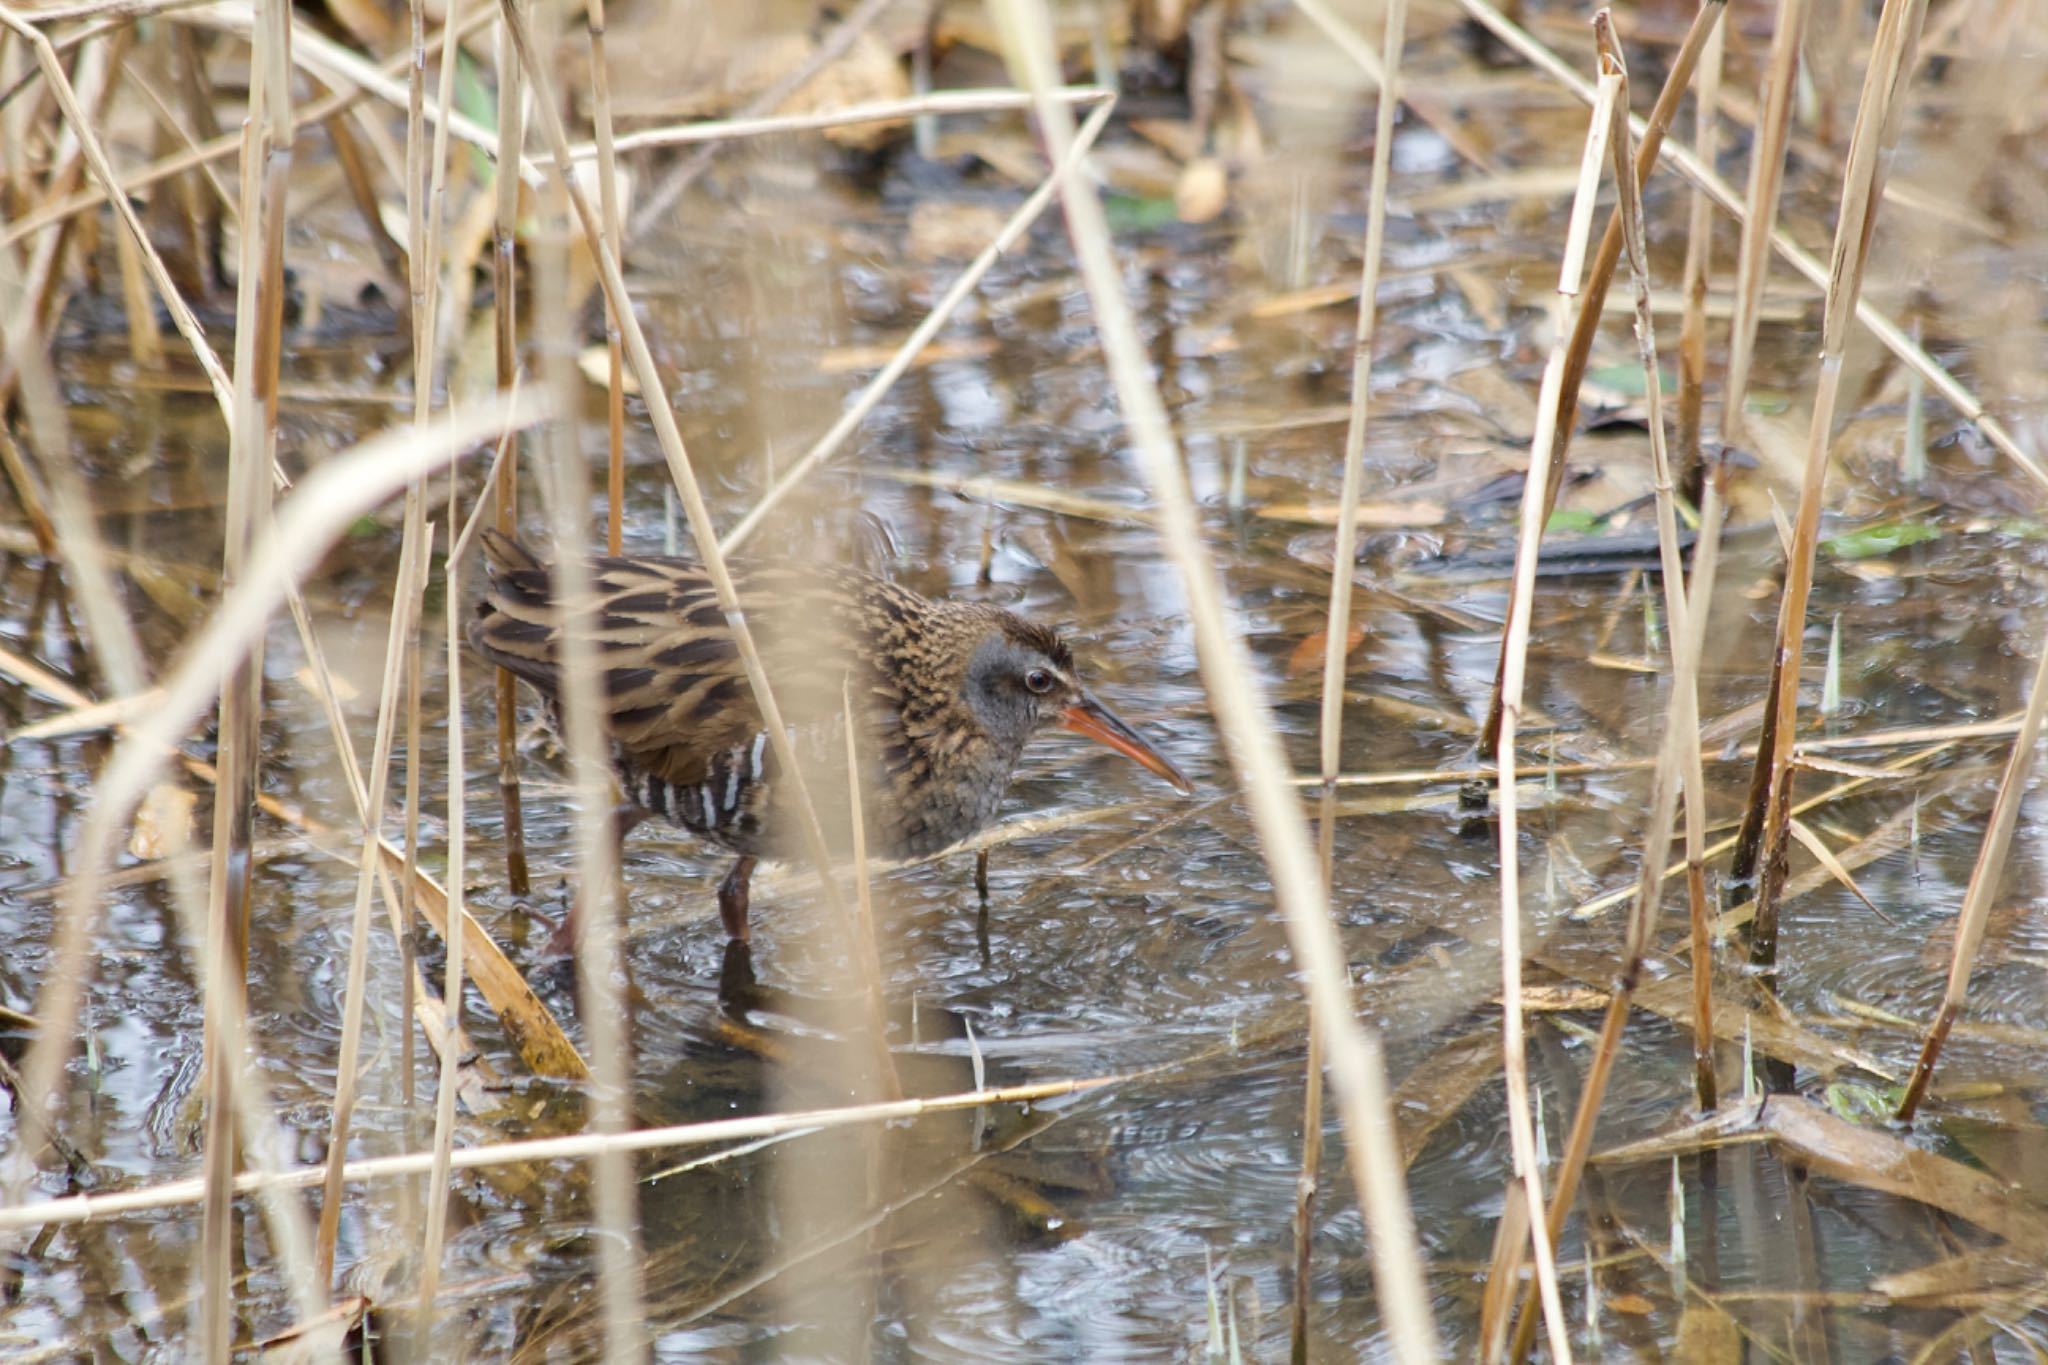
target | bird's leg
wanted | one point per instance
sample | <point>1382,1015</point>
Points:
<point>981,874</point>
<point>626,817</point>
<point>732,899</point>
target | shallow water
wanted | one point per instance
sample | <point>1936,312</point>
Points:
<point>1108,1225</point>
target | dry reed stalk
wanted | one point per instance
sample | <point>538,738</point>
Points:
<point>1901,766</point>
<point>1687,614</point>
<point>422,269</point>
<point>599,897</point>
<point>1766,179</point>
<point>1587,323</point>
<point>1699,253</point>
<point>27,495</point>
<point>441,1157</point>
<point>1242,715</point>
<point>854,413</point>
<point>214,148</point>
<point>252,438</point>
<point>505,293</point>
<point>988,101</point>
<point>1985,878</point>
<point>86,1208</point>
<point>426,193</point>
<point>405,589</point>
<point>1337,628</point>
<point>834,46</point>
<point>1700,911</point>
<point>526,1023</point>
<point>702,531</point>
<point>48,284</point>
<point>121,657</point>
<point>614,232</point>
<point>362,193</point>
<point>145,347</point>
<point>335,66</point>
<point>1878,114</point>
<point>867,957</point>
<point>223,200</point>
<point>95,155</point>
<point>1681,723</point>
<point>340,490</point>
<point>1544,452</point>
<point>1889,334</point>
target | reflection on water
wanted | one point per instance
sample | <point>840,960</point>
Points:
<point>1097,1227</point>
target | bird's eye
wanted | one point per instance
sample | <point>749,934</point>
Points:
<point>1038,680</point>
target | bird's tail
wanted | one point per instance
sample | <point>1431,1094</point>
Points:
<point>516,625</point>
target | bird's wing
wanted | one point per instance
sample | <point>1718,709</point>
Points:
<point>675,693</point>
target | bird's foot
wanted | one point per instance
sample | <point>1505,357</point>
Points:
<point>732,900</point>
<point>738,990</point>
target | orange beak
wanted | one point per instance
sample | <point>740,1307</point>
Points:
<point>1091,718</point>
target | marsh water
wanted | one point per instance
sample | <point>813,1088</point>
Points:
<point>1127,929</point>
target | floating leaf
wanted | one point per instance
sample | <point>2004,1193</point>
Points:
<point>1881,539</point>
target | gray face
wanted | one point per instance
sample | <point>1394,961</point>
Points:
<point>1015,690</point>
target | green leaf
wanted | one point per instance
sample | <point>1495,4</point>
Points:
<point>1628,379</point>
<point>1766,402</point>
<point>1135,213</point>
<point>1855,1102</point>
<point>1572,521</point>
<point>1881,539</point>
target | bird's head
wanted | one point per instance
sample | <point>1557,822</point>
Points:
<point>1021,679</point>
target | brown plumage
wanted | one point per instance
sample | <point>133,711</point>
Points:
<point>946,694</point>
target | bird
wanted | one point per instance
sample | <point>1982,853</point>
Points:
<point>945,695</point>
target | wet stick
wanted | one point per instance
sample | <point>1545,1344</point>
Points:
<point>505,287</point>
<point>1985,878</point>
<point>1699,253</point>
<point>1765,827</point>
<point>1681,724</point>
<point>1337,627</point>
<point>1357,1066</point>
<point>1514,671</point>
<point>1587,322</point>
